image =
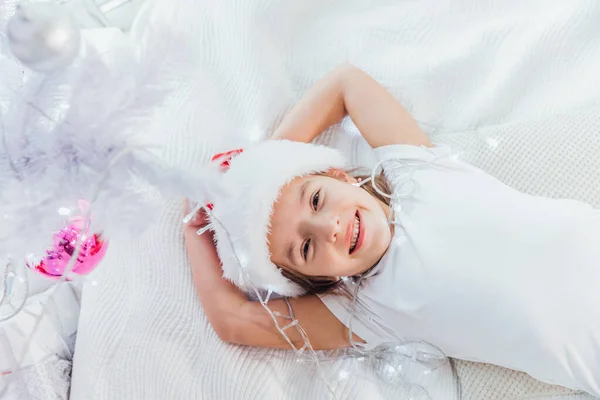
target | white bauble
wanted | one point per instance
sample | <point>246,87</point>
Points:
<point>43,36</point>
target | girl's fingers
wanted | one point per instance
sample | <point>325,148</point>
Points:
<point>194,216</point>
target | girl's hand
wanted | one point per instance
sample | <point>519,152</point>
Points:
<point>198,221</point>
<point>192,240</point>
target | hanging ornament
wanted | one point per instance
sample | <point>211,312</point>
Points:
<point>54,264</point>
<point>43,36</point>
<point>93,248</point>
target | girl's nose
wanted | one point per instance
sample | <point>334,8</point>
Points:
<point>329,227</point>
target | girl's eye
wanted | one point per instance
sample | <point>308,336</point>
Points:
<point>305,248</point>
<point>315,200</point>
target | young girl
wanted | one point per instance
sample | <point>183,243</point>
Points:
<point>443,251</point>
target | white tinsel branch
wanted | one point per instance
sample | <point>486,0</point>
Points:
<point>65,133</point>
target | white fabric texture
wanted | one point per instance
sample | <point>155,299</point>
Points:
<point>485,272</point>
<point>473,74</point>
<point>241,217</point>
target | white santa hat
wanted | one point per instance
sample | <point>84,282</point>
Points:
<point>241,217</point>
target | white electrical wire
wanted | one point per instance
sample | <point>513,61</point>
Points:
<point>5,290</point>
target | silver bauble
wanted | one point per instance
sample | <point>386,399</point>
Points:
<point>43,36</point>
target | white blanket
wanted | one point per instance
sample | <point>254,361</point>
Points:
<point>514,84</point>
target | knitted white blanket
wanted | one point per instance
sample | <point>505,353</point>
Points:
<point>514,84</point>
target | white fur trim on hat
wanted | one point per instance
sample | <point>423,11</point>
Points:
<point>253,181</point>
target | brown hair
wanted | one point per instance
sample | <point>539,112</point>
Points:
<point>324,284</point>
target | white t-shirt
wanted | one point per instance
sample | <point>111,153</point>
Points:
<point>485,272</point>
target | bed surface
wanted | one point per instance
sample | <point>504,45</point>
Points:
<point>514,86</point>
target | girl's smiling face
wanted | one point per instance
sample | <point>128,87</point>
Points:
<point>322,226</point>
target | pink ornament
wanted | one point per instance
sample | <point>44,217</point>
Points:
<point>93,249</point>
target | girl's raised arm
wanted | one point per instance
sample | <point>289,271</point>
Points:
<point>349,91</point>
<point>237,320</point>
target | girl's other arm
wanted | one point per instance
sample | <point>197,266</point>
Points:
<point>237,320</point>
<point>349,91</point>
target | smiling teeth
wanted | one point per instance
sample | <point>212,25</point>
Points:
<point>355,233</point>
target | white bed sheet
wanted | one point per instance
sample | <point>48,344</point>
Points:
<point>513,84</point>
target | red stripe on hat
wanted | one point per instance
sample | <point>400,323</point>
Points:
<point>225,158</point>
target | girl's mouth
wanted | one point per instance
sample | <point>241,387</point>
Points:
<point>356,241</point>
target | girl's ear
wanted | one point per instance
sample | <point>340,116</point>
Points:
<point>341,175</point>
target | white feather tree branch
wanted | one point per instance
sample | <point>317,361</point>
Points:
<point>60,132</point>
